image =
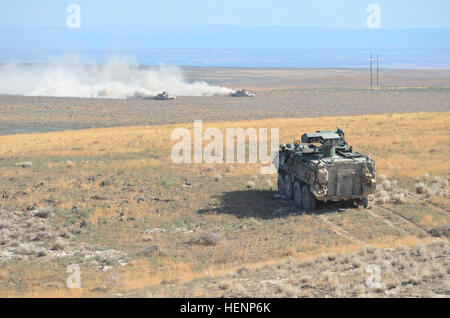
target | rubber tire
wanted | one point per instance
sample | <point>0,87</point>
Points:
<point>309,201</point>
<point>297,194</point>
<point>280,184</point>
<point>365,202</point>
<point>288,187</point>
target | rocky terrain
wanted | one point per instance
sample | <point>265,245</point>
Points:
<point>420,271</point>
<point>33,234</point>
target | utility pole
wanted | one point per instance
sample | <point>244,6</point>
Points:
<point>377,69</point>
<point>371,84</point>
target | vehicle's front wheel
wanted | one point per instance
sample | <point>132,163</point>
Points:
<point>280,184</point>
<point>297,194</point>
<point>308,199</point>
<point>288,187</point>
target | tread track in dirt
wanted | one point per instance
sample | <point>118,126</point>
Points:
<point>406,218</point>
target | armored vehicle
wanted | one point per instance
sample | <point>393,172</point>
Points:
<point>242,93</point>
<point>164,96</point>
<point>322,167</point>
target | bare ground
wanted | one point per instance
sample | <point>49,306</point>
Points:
<point>20,114</point>
<point>281,93</point>
<point>282,78</point>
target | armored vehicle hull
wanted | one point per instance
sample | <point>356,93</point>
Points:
<point>164,96</point>
<point>308,173</point>
<point>242,93</point>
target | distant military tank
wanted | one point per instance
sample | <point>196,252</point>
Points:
<point>242,93</point>
<point>164,96</point>
<point>322,167</point>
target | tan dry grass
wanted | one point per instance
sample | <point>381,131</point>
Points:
<point>401,143</point>
<point>403,139</point>
<point>141,273</point>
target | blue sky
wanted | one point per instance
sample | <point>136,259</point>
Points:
<point>395,14</point>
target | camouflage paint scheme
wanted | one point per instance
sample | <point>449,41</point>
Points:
<point>322,167</point>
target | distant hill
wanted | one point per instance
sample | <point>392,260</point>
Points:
<point>217,45</point>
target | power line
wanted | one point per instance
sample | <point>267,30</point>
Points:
<point>377,69</point>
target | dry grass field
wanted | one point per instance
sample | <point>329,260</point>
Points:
<point>281,93</point>
<point>91,182</point>
<point>292,78</point>
<point>112,201</point>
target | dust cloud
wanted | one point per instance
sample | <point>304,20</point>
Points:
<point>116,79</point>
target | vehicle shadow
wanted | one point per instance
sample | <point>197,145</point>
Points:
<point>266,204</point>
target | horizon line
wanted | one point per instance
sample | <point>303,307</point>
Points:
<point>62,26</point>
